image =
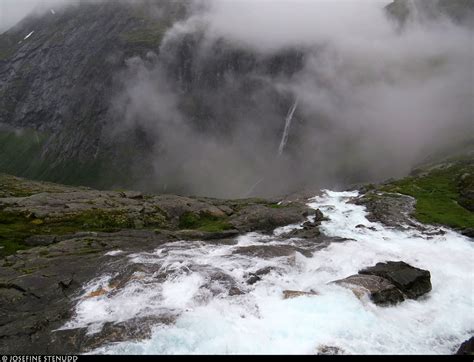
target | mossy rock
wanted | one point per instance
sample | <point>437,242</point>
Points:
<point>203,222</point>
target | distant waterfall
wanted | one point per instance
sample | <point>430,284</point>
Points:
<point>286,132</point>
<point>249,192</point>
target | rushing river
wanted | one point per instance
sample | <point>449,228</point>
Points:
<point>182,283</point>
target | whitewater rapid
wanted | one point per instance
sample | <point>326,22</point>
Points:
<point>261,321</point>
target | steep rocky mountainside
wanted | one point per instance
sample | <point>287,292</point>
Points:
<point>75,105</point>
<point>58,84</point>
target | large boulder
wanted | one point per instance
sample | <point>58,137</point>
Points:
<point>378,289</point>
<point>467,348</point>
<point>413,282</point>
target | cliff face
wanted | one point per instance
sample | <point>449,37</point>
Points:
<point>121,94</point>
<point>61,74</point>
<point>59,80</point>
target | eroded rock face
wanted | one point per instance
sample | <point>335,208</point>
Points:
<point>413,282</point>
<point>379,290</point>
<point>46,212</point>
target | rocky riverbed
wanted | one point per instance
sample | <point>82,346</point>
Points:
<point>124,272</point>
<point>56,238</point>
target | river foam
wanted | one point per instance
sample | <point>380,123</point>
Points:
<point>261,321</point>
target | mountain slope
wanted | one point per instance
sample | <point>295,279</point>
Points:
<point>59,82</point>
<point>120,94</point>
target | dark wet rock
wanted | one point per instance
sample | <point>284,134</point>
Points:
<point>203,235</point>
<point>307,233</point>
<point>134,272</point>
<point>253,279</point>
<point>39,286</point>
<point>266,219</point>
<point>393,210</point>
<point>330,351</point>
<point>264,271</point>
<point>132,330</point>
<point>467,348</point>
<point>360,226</point>
<point>379,290</point>
<point>413,282</point>
<point>257,276</point>
<point>468,232</point>
<point>271,251</point>
<point>219,282</point>
<point>41,240</point>
<point>310,229</point>
<point>290,294</point>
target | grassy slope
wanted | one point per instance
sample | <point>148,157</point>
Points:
<point>439,194</point>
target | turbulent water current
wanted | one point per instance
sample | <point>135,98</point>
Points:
<point>193,282</point>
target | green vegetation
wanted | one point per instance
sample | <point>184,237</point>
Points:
<point>8,45</point>
<point>15,228</point>
<point>150,36</point>
<point>441,194</point>
<point>203,222</point>
<point>19,149</point>
<point>278,206</point>
<point>23,153</point>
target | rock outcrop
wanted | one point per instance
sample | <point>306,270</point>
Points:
<point>389,283</point>
<point>379,290</point>
<point>54,239</point>
<point>413,282</point>
<point>60,90</point>
<point>467,348</point>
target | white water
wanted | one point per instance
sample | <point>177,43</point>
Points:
<point>262,322</point>
<point>286,132</point>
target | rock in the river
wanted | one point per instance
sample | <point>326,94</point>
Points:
<point>271,251</point>
<point>467,348</point>
<point>379,290</point>
<point>257,276</point>
<point>391,209</point>
<point>469,232</point>
<point>329,351</point>
<point>413,282</point>
<point>290,294</point>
